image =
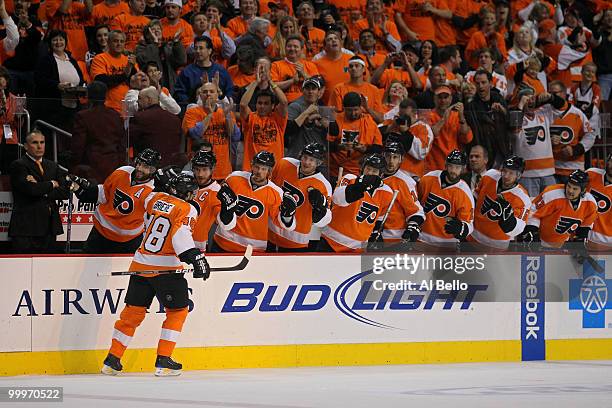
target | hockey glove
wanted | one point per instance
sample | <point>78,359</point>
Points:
<point>197,259</point>
<point>316,198</point>
<point>86,191</point>
<point>411,234</point>
<point>531,233</point>
<point>507,220</point>
<point>581,234</point>
<point>456,228</point>
<point>288,206</point>
<point>370,182</point>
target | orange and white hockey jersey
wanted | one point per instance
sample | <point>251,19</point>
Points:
<point>601,234</point>
<point>553,213</point>
<point>169,222</point>
<point>120,213</point>
<point>414,159</point>
<point>533,143</point>
<point>499,81</point>
<point>406,205</point>
<point>255,207</point>
<point>286,175</point>
<point>588,101</point>
<point>439,203</point>
<point>573,127</point>
<point>353,223</point>
<point>209,207</point>
<point>486,229</point>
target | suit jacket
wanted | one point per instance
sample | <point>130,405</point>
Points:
<point>158,129</point>
<point>467,177</point>
<point>35,210</point>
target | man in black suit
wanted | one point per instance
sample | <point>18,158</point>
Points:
<point>478,166</point>
<point>36,183</point>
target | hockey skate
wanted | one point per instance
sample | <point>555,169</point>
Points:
<point>112,365</point>
<point>165,366</point>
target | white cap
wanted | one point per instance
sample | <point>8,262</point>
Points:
<point>175,2</point>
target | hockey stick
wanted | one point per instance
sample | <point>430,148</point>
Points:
<point>235,268</point>
<point>384,219</point>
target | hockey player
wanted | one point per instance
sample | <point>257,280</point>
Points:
<point>406,216</point>
<point>214,202</point>
<point>561,212</point>
<point>303,180</point>
<point>448,203</point>
<point>167,242</point>
<point>600,187</point>
<point>532,140</point>
<point>259,200</point>
<point>118,219</point>
<point>358,203</point>
<point>502,205</point>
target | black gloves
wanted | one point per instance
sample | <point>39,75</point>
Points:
<point>506,219</point>
<point>229,201</point>
<point>531,233</point>
<point>581,234</point>
<point>288,206</point>
<point>319,204</point>
<point>364,183</point>
<point>87,191</point>
<point>412,232</point>
<point>456,228</point>
<point>196,258</point>
<point>371,182</point>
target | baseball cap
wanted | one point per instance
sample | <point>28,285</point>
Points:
<point>175,2</point>
<point>314,81</point>
<point>351,100</point>
<point>443,89</point>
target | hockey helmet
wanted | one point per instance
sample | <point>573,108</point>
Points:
<point>315,150</point>
<point>579,178</point>
<point>180,186</point>
<point>457,157</point>
<point>264,158</point>
<point>204,159</point>
<point>148,156</point>
<point>376,161</point>
<point>514,163</point>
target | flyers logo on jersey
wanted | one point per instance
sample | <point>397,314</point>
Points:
<point>295,192</point>
<point>437,204</point>
<point>249,206</point>
<point>367,212</point>
<point>565,132</point>
<point>349,136</point>
<point>567,224</point>
<point>603,201</point>
<point>487,209</point>
<point>122,202</point>
<point>532,135</point>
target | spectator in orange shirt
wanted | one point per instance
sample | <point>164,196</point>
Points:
<point>356,83</point>
<point>385,31</point>
<point>332,65</point>
<point>239,25</point>
<point>114,69</point>
<point>314,37</point>
<point>276,10</point>
<point>131,24</point>
<point>419,15</point>
<point>263,129</point>
<point>398,66</point>
<point>71,17</point>
<point>287,26</point>
<point>289,73</point>
<point>486,37</point>
<point>173,26</point>
<point>449,58</point>
<point>209,24</point>
<point>367,51</point>
<point>449,127</point>
<point>105,12</point>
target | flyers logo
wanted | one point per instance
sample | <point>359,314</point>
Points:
<point>567,225</point>
<point>437,204</point>
<point>249,206</point>
<point>295,192</point>
<point>603,201</point>
<point>487,209</point>
<point>122,202</point>
<point>532,135</point>
<point>367,212</point>
<point>565,132</point>
<point>349,136</point>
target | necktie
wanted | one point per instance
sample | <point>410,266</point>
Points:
<point>40,167</point>
<point>478,177</point>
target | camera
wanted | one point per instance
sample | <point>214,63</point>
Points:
<point>403,120</point>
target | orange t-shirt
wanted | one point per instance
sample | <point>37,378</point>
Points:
<point>105,64</point>
<point>263,133</point>
<point>418,20</point>
<point>366,89</point>
<point>168,31</point>
<point>479,41</point>
<point>345,7</point>
<point>314,42</point>
<point>283,70</point>
<point>334,72</point>
<point>215,134</point>
<point>238,78</point>
<point>446,141</point>
<point>132,26</point>
<point>73,23</point>
<point>381,44</point>
<point>103,13</point>
<point>394,74</point>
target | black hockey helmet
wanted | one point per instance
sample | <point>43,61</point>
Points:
<point>204,159</point>
<point>148,156</point>
<point>376,161</point>
<point>183,184</point>
<point>579,178</point>
<point>394,146</point>
<point>457,157</point>
<point>316,150</point>
<point>164,175</point>
<point>514,163</point>
<point>264,158</point>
